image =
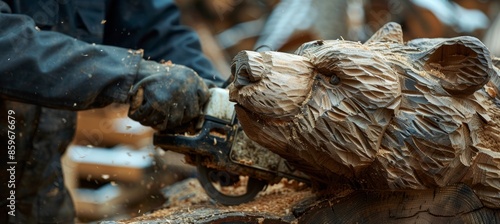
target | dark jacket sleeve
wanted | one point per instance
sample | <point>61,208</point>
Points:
<point>54,70</point>
<point>154,25</point>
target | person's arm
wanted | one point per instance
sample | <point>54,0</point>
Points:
<point>54,70</point>
<point>153,25</point>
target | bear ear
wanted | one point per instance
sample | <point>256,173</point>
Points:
<point>390,32</point>
<point>462,64</point>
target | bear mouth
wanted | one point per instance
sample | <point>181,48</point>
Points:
<point>244,113</point>
<point>240,109</point>
<point>243,106</point>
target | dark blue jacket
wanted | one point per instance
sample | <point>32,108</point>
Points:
<point>81,54</point>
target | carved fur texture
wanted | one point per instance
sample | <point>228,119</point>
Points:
<point>379,115</point>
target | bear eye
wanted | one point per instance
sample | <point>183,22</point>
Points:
<point>334,80</point>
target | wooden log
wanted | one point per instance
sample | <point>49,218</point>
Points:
<point>451,204</point>
<point>384,115</point>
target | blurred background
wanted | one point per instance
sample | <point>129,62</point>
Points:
<point>112,169</point>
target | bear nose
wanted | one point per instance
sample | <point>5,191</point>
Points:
<point>247,68</point>
<point>243,77</point>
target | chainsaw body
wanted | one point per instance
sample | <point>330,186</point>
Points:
<point>222,152</point>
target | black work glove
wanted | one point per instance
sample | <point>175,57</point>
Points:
<point>166,96</point>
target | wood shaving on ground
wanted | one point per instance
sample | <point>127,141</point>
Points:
<point>188,202</point>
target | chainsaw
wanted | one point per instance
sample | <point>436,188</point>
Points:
<point>232,169</point>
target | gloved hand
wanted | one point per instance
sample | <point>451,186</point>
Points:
<point>166,96</point>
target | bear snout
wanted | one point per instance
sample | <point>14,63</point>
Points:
<point>247,68</point>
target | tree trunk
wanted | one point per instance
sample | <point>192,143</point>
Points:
<point>452,204</point>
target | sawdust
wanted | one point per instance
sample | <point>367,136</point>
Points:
<point>248,152</point>
<point>276,200</point>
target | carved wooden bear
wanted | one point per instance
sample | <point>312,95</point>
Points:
<point>379,115</point>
